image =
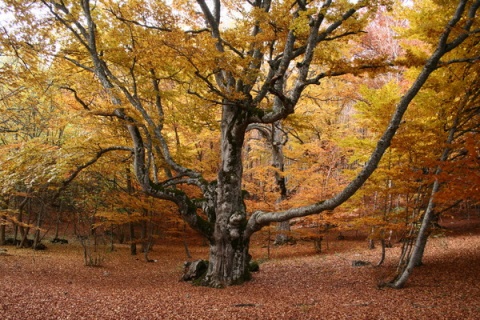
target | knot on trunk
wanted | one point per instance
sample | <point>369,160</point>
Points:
<point>234,223</point>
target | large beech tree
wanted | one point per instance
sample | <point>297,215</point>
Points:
<point>251,60</point>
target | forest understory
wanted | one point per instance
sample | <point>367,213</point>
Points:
<point>294,283</point>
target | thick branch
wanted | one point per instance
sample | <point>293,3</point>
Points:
<point>145,25</point>
<point>186,206</point>
<point>87,164</point>
<point>281,64</point>
<point>79,100</point>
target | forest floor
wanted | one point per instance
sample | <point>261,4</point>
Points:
<point>294,283</point>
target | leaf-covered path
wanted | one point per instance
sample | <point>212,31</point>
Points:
<point>295,283</point>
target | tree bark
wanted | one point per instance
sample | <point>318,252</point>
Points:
<point>3,222</point>
<point>144,232</point>
<point>2,230</point>
<point>36,236</point>
<point>133,243</point>
<point>279,139</point>
<point>229,260</point>
<point>131,224</point>
<point>185,245</point>
<point>57,223</point>
<point>228,263</point>
<point>382,257</point>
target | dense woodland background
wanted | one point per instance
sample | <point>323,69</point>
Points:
<point>67,162</point>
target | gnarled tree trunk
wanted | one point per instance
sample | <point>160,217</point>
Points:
<point>228,263</point>
<point>228,246</point>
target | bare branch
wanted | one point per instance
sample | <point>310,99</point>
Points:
<point>75,94</point>
<point>87,164</point>
<point>135,22</point>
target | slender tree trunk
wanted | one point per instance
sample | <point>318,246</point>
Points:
<point>112,239</point>
<point>131,225</point>
<point>15,233</point>
<point>422,237</point>
<point>144,233</point>
<point>418,249</point>
<point>2,230</point>
<point>133,244</point>
<point>17,228</point>
<point>57,225</point>
<point>149,240</point>
<point>185,245</point>
<point>382,257</point>
<point>36,236</point>
<point>422,244</point>
<point>278,141</point>
<point>3,222</point>
<point>23,243</point>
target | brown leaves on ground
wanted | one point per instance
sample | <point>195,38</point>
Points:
<point>295,283</point>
